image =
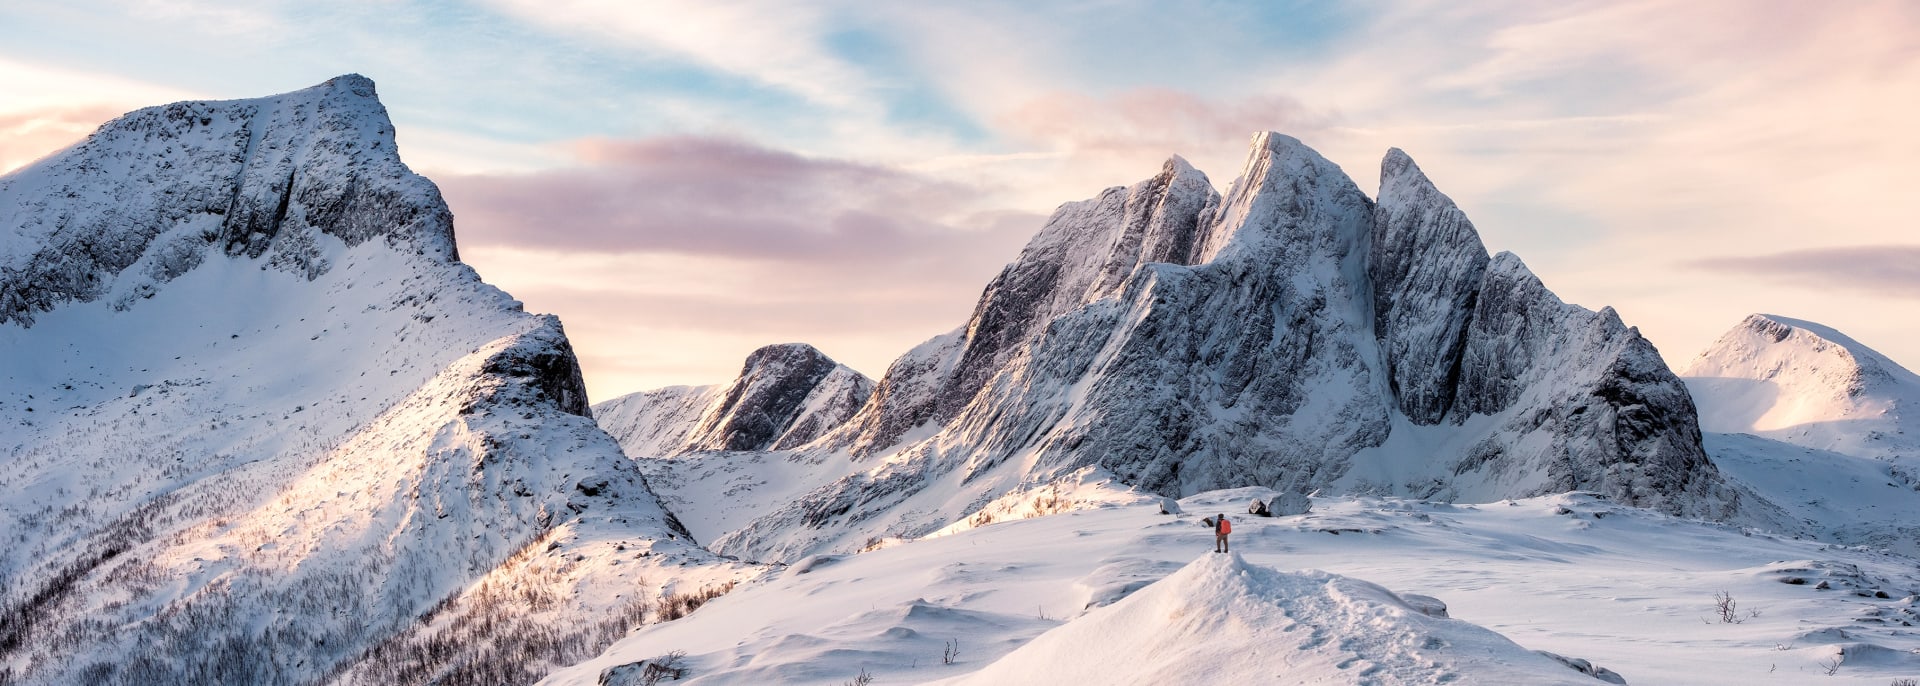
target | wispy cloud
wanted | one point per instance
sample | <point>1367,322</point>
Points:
<point>737,245</point>
<point>695,195</point>
<point>1888,270</point>
<point>776,44</point>
<point>29,135</point>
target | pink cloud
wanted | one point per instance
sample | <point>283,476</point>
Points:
<point>1890,270</point>
<point>29,135</point>
<point>704,196</point>
<point>1159,120</point>
<point>672,258</point>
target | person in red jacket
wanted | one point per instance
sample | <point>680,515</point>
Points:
<point>1220,530</point>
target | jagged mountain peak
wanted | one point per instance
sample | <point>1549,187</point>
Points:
<point>1307,337</point>
<point>291,180</point>
<point>1284,191</point>
<point>1428,265</point>
<point>786,396</point>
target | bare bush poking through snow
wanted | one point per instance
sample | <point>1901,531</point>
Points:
<point>1728,607</point>
<point>680,605</point>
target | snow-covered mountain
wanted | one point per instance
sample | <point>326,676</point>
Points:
<point>1806,384</point>
<point>1817,424</point>
<point>1292,333</point>
<point>258,424</point>
<point>786,396</point>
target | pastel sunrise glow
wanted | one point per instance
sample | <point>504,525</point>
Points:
<point>683,182</point>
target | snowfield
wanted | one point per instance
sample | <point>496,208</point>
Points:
<point>1122,594</point>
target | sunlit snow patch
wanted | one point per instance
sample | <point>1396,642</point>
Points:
<point>1223,620</point>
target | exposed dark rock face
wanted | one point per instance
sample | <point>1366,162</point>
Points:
<point>1086,250</point>
<point>549,368</point>
<point>1426,264</point>
<point>785,397</point>
<point>759,406</point>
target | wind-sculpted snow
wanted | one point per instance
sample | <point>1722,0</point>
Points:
<point>261,426</point>
<point>152,194</point>
<point>1291,334</point>
<point>1223,620</point>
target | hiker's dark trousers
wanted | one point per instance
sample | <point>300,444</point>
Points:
<point>1219,543</point>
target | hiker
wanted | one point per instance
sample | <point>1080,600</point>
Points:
<point>1220,530</point>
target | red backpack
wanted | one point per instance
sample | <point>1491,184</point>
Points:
<point>1225,526</point>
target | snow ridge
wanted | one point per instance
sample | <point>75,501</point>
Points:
<point>1220,619</point>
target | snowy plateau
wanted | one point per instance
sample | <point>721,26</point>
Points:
<point>260,425</point>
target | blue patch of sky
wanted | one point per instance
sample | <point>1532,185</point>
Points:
<point>1201,46</point>
<point>910,101</point>
<point>453,67</point>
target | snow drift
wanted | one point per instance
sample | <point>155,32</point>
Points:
<point>1222,620</point>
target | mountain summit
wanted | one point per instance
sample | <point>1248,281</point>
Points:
<point>1806,384</point>
<point>1291,333</point>
<point>289,436</point>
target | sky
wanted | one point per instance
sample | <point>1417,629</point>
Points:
<point>683,182</point>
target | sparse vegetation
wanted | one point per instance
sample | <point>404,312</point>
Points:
<point>664,667</point>
<point>680,605</point>
<point>1832,664</point>
<point>951,653</point>
<point>862,680</point>
<point>1729,609</point>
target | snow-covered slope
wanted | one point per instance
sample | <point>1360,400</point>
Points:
<point>1291,334</point>
<point>1809,385</point>
<point>259,425</point>
<point>1216,621</point>
<point>1113,593</point>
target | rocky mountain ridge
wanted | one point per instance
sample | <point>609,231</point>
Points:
<point>1292,333</point>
